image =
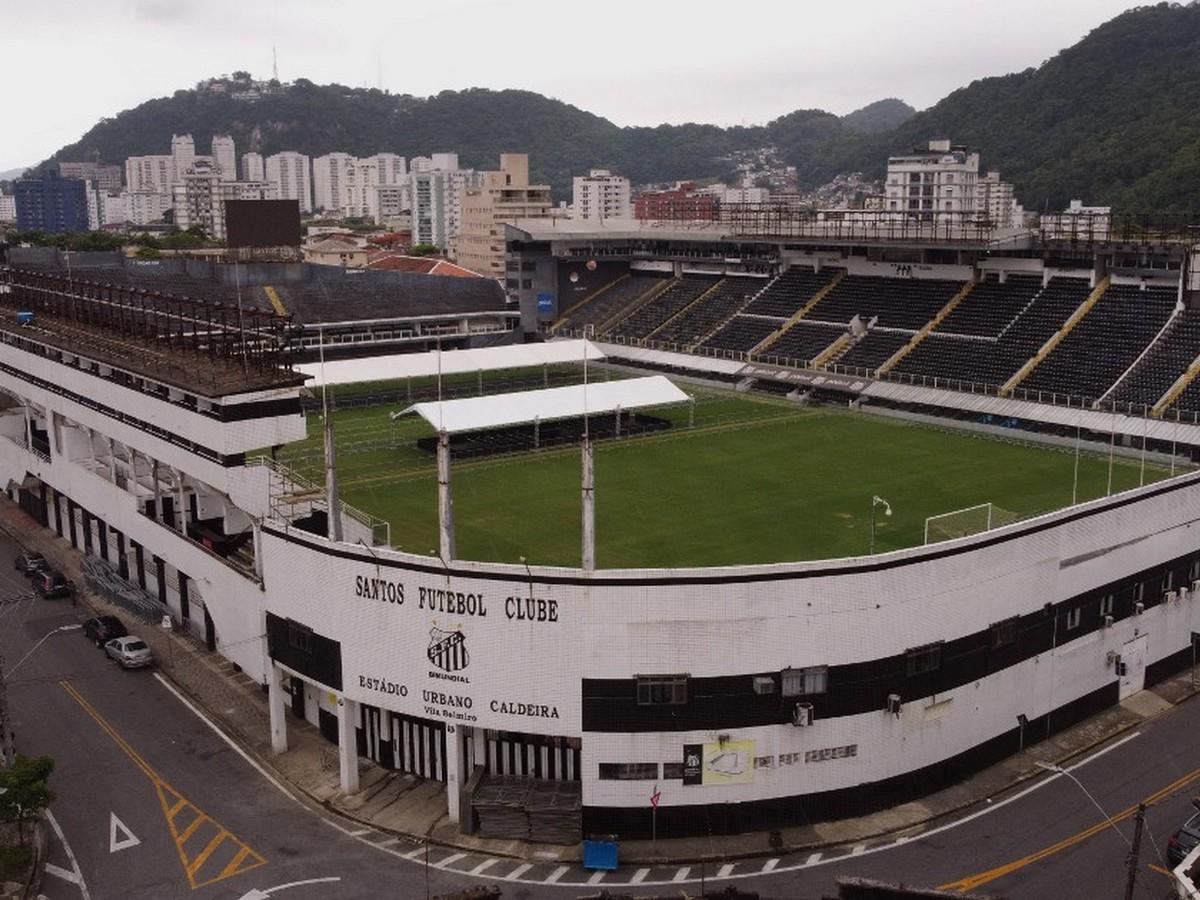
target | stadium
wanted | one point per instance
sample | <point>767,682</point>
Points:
<point>784,518</point>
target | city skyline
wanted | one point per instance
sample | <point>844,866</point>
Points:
<point>787,58</point>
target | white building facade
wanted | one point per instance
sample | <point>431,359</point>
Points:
<point>601,195</point>
<point>938,184</point>
<point>225,156</point>
<point>253,168</point>
<point>290,174</point>
<point>329,180</point>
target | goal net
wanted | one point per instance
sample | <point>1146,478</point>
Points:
<point>962,522</point>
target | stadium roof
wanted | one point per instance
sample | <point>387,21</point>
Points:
<point>526,407</point>
<point>452,362</point>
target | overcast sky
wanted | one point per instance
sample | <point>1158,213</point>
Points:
<point>636,62</point>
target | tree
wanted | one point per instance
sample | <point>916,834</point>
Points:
<point>424,250</point>
<point>25,792</point>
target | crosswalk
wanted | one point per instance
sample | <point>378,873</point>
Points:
<point>562,873</point>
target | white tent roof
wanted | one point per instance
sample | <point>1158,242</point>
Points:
<point>419,365</point>
<point>523,407</point>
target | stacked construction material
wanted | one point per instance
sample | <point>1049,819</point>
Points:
<point>555,812</point>
<point>500,804</point>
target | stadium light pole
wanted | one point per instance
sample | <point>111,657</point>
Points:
<point>876,502</point>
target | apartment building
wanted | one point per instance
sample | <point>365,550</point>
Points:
<point>601,195</point>
<point>939,183</point>
<point>290,174</point>
<point>225,156</point>
<point>199,197</point>
<point>106,178</point>
<point>329,178</point>
<point>253,168</point>
<point>501,196</point>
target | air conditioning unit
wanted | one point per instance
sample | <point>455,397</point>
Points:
<point>1168,596</point>
<point>893,704</point>
<point>764,684</point>
<point>1107,622</point>
<point>1139,608</point>
<point>802,715</point>
<point>1182,593</point>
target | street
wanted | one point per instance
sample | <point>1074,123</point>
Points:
<point>153,802</point>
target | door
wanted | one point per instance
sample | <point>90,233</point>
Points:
<point>297,687</point>
<point>1133,665</point>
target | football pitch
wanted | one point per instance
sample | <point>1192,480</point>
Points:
<point>751,481</point>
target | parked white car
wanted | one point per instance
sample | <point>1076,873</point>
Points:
<point>130,651</point>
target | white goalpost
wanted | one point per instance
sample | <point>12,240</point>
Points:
<point>970,520</point>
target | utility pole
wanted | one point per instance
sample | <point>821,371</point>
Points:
<point>1134,850</point>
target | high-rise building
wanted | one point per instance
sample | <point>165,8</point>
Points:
<point>199,197</point>
<point>145,207</point>
<point>107,178</point>
<point>183,154</point>
<point>934,184</point>
<point>8,208</point>
<point>51,203</point>
<point>420,164</point>
<point>390,168</point>
<point>150,174</point>
<point>253,168</point>
<point>289,174</point>
<point>329,181</point>
<point>601,195</point>
<point>225,156</point>
<point>502,196</point>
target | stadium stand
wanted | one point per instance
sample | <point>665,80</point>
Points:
<point>897,302</point>
<point>650,316</point>
<point>874,349</point>
<point>1188,401</point>
<point>622,296</point>
<point>743,333</point>
<point>805,340</point>
<point>1163,363</point>
<point>787,294</point>
<point>953,357</point>
<point>1104,343</point>
<point>708,313</point>
<point>991,306</point>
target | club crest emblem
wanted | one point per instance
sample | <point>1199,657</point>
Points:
<point>448,650</point>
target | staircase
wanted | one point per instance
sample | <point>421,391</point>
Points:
<point>804,311</point>
<point>637,304</point>
<point>1057,338</point>
<point>833,352</point>
<point>1180,385</point>
<point>926,329</point>
<point>588,299</point>
<point>717,284</point>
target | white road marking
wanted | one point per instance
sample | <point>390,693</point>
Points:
<point>58,872</point>
<point>452,858</point>
<point>119,835</point>
<point>518,872</point>
<point>770,864</point>
<point>813,860</point>
<point>724,871</point>
<point>360,832</point>
<point>557,874</point>
<point>859,850</point>
<point>597,877</point>
<point>388,842</point>
<point>682,873</point>
<point>228,740</point>
<point>62,839</point>
<point>639,876</point>
<point>418,854</point>
<point>484,866</point>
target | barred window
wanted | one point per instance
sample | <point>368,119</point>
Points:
<point>660,690</point>
<point>299,637</point>
<point>810,680</point>
<point>1074,617</point>
<point>927,658</point>
<point>1106,605</point>
<point>1004,633</point>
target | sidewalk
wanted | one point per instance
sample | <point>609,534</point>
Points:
<point>411,808</point>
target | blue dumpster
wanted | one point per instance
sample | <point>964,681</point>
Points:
<point>600,855</point>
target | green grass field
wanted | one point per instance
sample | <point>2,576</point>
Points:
<point>755,480</point>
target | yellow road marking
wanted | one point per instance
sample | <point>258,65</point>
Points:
<point>974,881</point>
<point>173,803</point>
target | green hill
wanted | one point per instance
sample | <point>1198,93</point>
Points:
<point>1114,119</point>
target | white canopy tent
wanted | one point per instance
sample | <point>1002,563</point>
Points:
<point>526,407</point>
<point>422,365</point>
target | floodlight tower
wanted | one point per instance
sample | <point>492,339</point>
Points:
<point>445,496</point>
<point>589,482</point>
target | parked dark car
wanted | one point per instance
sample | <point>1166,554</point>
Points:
<point>29,562</point>
<point>1184,841</point>
<point>103,629</point>
<point>50,583</point>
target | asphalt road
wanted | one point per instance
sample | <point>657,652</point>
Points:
<point>152,802</point>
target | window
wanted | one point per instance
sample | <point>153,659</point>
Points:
<point>1004,633</point>
<point>1106,604</point>
<point>1139,592</point>
<point>527,283</point>
<point>1074,617</point>
<point>661,690</point>
<point>1194,570</point>
<point>1168,580</point>
<point>299,637</point>
<point>811,680</point>
<point>672,770</point>
<point>629,771</point>
<point>921,660</point>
